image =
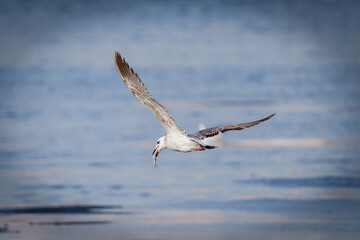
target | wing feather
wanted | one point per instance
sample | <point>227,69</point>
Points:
<point>211,132</point>
<point>137,87</point>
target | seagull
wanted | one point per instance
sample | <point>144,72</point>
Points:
<point>176,138</point>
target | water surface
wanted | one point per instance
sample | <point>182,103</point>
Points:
<point>75,144</point>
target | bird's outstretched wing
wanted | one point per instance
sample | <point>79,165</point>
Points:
<point>211,132</point>
<point>136,86</point>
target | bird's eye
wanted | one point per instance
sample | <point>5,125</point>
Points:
<point>157,142</point>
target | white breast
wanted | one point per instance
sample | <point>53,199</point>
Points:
<point>180,143</point>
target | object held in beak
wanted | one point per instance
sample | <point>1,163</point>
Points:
<point>155,154</point>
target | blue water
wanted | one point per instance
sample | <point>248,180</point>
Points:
<point>75,144</point>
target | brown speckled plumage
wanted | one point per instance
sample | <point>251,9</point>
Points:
<point>211,132</point>
<point>137,87</point>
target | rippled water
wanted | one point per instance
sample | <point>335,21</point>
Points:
<point>75,144</point>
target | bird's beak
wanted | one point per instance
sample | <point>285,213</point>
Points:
<point>155,154</point>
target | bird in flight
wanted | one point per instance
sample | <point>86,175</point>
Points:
<point>176,138</point>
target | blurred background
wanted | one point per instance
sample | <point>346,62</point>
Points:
<point>75,144</point>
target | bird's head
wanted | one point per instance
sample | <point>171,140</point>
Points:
<point>160,145</point>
